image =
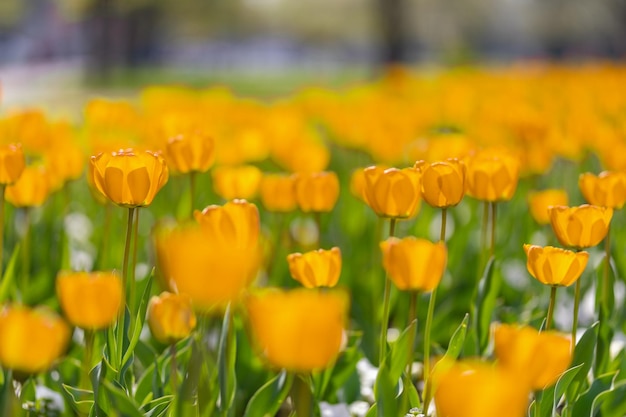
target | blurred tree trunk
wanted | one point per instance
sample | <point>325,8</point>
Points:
<point>393,31</point>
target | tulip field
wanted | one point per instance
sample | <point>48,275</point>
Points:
<point>428,243</point>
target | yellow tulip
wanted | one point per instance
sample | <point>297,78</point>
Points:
<point>540,201</point>
<point>492,176</point>
<point>277,192</point>
<point>232,182</point>
<point>171,317</point>
<point>414,264</point>
<point>191,152</point>
<point>129,178</point>
<point>317,268</point>
<point>537,357</point>
<point>31,189</point>
<point>392,192</point>
<point>357,184</point>
<point>316,191</point>
<point>90,300</point>
<point>555,266</point>
<point>299,330</point>
<point>64,164</point>
<point>479,389</point>
<point>580,227</point>
<point>443,183</point>
<point>12,163</point>
<point>31,339</point>
<point>608,189</point>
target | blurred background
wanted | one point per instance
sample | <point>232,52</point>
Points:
<point>49,46</point>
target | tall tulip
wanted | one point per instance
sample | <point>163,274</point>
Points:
<point>392,193</point>
<point>442,183</point>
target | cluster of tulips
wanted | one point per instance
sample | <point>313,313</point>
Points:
<point>326,190</point>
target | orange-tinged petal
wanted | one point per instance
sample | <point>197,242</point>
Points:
<point>540,201</point>
<point>392,192</point>
<point>12,163</point>
<point>170,317</point>
<point>442,183</point>
<point>316,268</point>
<point>555,266</point>
<point>608,189</point>
<point>277,192</point>
<point>316,191</point>
<point>580,227</point>
<point>236,182</point>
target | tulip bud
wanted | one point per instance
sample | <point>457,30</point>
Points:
<point>392,192</point>
<point>12,163</point>
<point>492,176</point>
<point>442,183</point>
<point>608,189</point>
<point>191,152</point>
<point>318,268</point>
<point>171,317</point>
<point>236,182</point>
<point>540,201</point>
<point>580,227</point>
<point>316,191</point>
<point>555,266</point>
<point>31,189</point>
<point>277,193</point>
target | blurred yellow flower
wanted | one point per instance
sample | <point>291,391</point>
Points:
<point>190,152</point>
<point>479,389</point>
<point>171,317</point>
<point>278,193</point>
<point>608,189</point>
<point>12,163</point>
<point>299,330</point>
<point>540,201</point>
<point>230,182</point>
<point>129,178</point>
<point>392,192</point>
<point>492,175</point>
<point>357,184</point>
<point>90,300</point>
<point>580,227</point>
<point>31,339</point>
<point>316,191</point>
<point>538,357</point>
<point>317,268</point>
<point>31,189</point>
<point>414,264</point>
<point>442,183</point>
<point>555,266</point>
<point>64,164</point>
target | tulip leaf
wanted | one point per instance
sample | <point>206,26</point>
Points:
<point>121,402</point>
<point>547,400</point>
<point>604,306</point>
<point>612,403</point>
<point>400,351</point>
<point>386,402</point>
<point>487,295</point>
<point>159,407</point>
<point>332,379</point>
<point>81,399</point>
<point>455,347</point>
<point>267,400</point>
<point>583,406</point>
<point>8,278</point>
<point>583,355</point>
<point>227,353</point>
<point>139,320</point>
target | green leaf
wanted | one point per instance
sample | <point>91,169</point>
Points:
<point>386,402</point>
<point>583,355</point>
<point>8,278</point>
<point>455,347</point>
<point>267,400</point>
<point>227,353</point>
<point>584,405</point>
<point>139,320</point>
<point>486,302</point>
<point>329,382</point>
<point>612,403</point>
<point>121,402</point>
<point>400,351</point>
<point>547,400</point>
<point>82,400</point>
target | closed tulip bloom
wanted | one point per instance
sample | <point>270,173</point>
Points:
<point>357,184</point>
<point>90,300</point>
<point>317,268</point>
<point>277,193</point>
<point>299,330</point>
<point>539,357</point>
<point>171,317</point>
<point>540,201</point>
<point>191,152</point>
<point>232,182</point>
<point>12,163</point>
<point>608,189</point>
<point>316,191</point>
<point>492,176</point>
<point>414,264</point>
<point>555,266</point>
<point>442,183</point>
<point>580,227</point>
<point>31,189</point>
<point>392,192</point>
<point>64,164</point>
<point>479,389</point>
<point>129,178</point>
<point>31,339</point>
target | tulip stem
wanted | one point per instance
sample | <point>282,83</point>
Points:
<point>104,243</point>
<point>551,307</point>
<point>26,253</point>
<point>385,321</point>
<point>318,223</point>
<point>604,305</point>
<point>2,189</point>
<point>192,190</point>
<point>89,336</point>
<point>492,247</point>
<point>413,335</point>
<point>125,286</point>
<point>575,319</point>
<point>174,370</point>
<point>133,264</point>
<point>485,226</point>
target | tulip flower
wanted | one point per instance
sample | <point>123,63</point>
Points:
<point>90,300</point>
<point>171,317</point>
<point>479,389</point>
<point>442,183</point>
<point>316,191</point>
<point>232,182</point>
<point>317,268</point>
<point>190,152</point>
<point>12,163</point>
<point>278,193</point>
<point>357,184</point>
<point>31,189</point>
<point>608,189</point>
<point>414,264</point>
<point>392,192</point>
<point>492,176</point>
<point>31,339</point>
<point>539,358</point>
<point>129,178</point>
<point>580,227</point>
<point>555,266</point>
<point>540,201</point>
<point>299,330</point>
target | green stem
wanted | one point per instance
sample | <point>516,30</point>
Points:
<point>174,370</point>
<point>492,248</point>
<point>444,220</point>
<point>133,264</point>
<point>318,223</point>
<point>301,396</point>
<point>385,321</point>
<point>412,316</point>
<point>192,190</point>
<point>551,307</point>
<point>106,234</point>
<point>89,341</point>
<point>2,189</point>
<point>121,318</point>
<point>26,253</point>
<point>575,319</point>
<point>604,305</point>
<point>484,226</point>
